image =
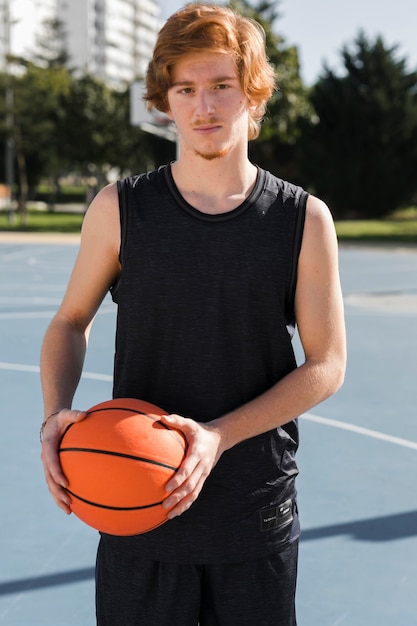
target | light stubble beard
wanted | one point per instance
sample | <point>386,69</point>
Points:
<point>210,156</point>
<point>217,154</point>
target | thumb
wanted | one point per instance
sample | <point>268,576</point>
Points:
<point>80,415</point>
<point>71,416</point>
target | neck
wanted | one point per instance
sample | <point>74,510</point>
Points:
<point>215,186</point>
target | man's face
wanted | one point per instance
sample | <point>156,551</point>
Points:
<point>208,105</point>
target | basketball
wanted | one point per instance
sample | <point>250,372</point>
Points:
<point>118,461</point>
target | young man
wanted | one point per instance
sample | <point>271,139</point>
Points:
<point>211,260</point>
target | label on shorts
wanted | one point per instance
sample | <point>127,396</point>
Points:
<point>276,516</point>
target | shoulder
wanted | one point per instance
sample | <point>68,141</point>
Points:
<point>100,232</point>
<point>151,178</point>
<point>97,264</point>
<point>285,194</point>
<point>105,202</point>
<point>319,221</point>
<point>280,187</point>
<point>102,217</point>
<point>319,244</point>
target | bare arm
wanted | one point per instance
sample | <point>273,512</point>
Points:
<point>64,346</point>
<point>320,320</point>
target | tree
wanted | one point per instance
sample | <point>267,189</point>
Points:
<point>36,106</point>
<point>275,147</point>
<point>33,112</point>
<point>135,150</point>
<point>361,154</point>
<point>51,50</point>
<point>85,131</point>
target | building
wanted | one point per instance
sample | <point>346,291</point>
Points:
<point>110,39</point>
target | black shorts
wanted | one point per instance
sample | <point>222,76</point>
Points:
<point>135,592</point>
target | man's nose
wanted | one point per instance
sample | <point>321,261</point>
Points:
<point>205,103</point>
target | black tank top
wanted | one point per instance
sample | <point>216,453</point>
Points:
<point>205,322</point>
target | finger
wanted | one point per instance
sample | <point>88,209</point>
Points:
<point>53,470</point>
<point>59,494</point>
<point>184,472</point>
<point>174,421</point>
<point>62,499</point>
<point>81,415</point>
<point>192,483</point>
<point>181,501</point>
<point>50,444</point>
<point>69,416</point>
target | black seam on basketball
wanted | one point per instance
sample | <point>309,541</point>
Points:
<point>131,409</point>
<point>120,408</point>
<point>114,508</point>
<point>181,441</point>
<point>119,454</point>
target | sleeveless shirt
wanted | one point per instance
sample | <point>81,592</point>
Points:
<point>204,324</point>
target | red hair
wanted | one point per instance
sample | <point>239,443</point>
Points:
<point>210,28</point>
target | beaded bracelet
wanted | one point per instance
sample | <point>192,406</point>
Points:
<point>45,421</point>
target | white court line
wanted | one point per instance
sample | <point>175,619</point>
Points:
<point>27,316</point>
<point>32,300</point>
<point>366,432</point>
<point>405,443</point>
<point>33,315</point>
<point>35,369</point>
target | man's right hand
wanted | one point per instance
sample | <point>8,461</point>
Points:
<point>52,432</point>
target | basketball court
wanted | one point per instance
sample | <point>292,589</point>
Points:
<point>358,454</point>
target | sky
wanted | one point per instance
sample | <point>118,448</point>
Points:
<point>320,28</point>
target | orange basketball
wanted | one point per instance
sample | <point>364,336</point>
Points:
<point>118,461</point>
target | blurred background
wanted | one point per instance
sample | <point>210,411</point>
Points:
<point>343,123</point>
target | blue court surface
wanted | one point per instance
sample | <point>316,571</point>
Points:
<point>358,454</point>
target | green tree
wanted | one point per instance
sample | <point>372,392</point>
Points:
<point>51,50</point>
<point>34,110</point>
<point>5,121</point>
<point>275,148</point>
<point>37,96</point>
<point>133,150</point>
<point>96,134</point>
<point>361,154</point>
<point>85,130</point>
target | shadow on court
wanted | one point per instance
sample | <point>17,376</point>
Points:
<point>387,528</point>
<point>50,580</point>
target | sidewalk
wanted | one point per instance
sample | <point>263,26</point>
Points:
<point>23,237</point>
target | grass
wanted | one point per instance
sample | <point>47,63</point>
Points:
<point>388,230</point>
<point>42,222</point>
<point>401,227</point>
